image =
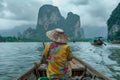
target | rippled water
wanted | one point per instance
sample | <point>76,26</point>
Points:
<point>16,58</point>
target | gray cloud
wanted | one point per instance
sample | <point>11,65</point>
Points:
<point>1,5</point>
<point>80,2</point>
<point>8,24</point>
<point>98,9</point>
<point>91,12</point>
<point>98,12</point>
<point>20,10</point>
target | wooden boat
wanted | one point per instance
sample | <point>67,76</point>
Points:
<point>97,44</point>
<point>80,71</point>
<point>98,41</point>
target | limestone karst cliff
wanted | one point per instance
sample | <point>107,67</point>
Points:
<point>114,24</point>
<point>49,17</point>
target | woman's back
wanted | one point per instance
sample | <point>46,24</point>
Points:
<point>57,57</point>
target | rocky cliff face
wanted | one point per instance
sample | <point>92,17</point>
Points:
<point>49,17</point>
<point>114,24</point>
<point>73,25</point>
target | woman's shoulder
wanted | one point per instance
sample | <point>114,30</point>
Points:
<point>54,45</point>
<point>66,46</point>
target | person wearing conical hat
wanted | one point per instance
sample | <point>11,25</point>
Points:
<point>58,54</point>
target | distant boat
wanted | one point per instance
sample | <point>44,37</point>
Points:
<point>74,41</point>
<point>80,71</point>
<point>97,41</point>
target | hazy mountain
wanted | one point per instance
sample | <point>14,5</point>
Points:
<point>16,31</point>
<point>91,32</point>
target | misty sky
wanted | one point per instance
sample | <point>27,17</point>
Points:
<point>92,12</point>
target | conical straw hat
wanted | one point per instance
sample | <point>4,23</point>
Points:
<point>57,35</point>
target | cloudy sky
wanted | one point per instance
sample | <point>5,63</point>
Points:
<point>92,12</point>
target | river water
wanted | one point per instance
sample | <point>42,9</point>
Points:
<point>16,58</point>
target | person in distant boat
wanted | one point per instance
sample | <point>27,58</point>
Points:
<point>74,41</point>
<point>99,41</point>
<point>58,54</point>
<point>95,41</point>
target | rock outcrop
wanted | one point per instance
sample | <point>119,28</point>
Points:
<point>49,17</point>
<point>72,25</point>
<point>114,24</point>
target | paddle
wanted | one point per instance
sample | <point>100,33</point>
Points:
<point>104,44</point>
<point>38,64</point>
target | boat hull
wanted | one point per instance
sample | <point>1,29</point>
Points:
<point>97,44</point>
<point>80,70</point>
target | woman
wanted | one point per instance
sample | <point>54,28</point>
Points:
<point>58,54</point>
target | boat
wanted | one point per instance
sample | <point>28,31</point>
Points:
<point>97,44</point>
<point>80,71</point>
<point>98,41</point>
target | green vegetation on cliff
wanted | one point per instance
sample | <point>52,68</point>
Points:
<point>15,39</point>
<point>44,38</point>
<point>114,18</point>
<point>114,24</point>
